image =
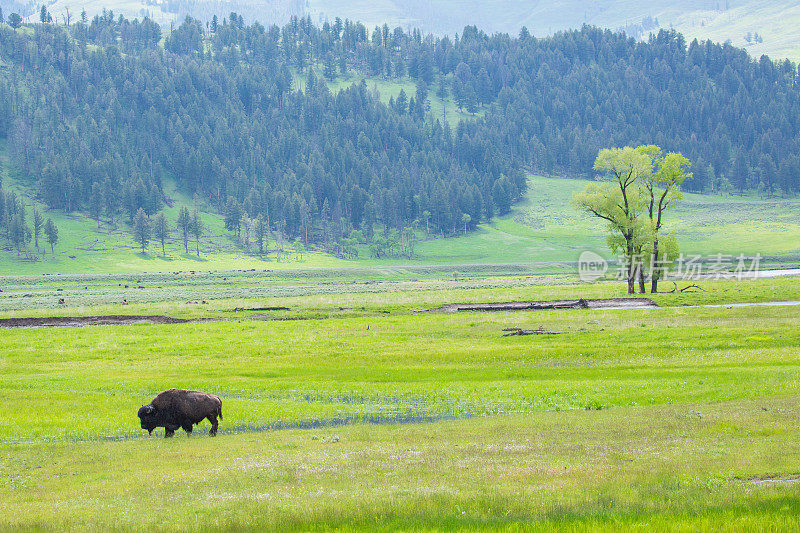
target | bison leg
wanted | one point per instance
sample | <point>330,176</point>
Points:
<point>214,425</point>
<point>187,427</point>
<point>168,433</point>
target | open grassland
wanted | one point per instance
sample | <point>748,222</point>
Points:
<point>354,409</point>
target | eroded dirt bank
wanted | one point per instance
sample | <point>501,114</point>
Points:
<point>74,321</point>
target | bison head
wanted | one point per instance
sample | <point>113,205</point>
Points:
<point>148,417</point>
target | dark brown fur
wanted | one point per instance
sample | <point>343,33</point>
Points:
<point>181,408</point>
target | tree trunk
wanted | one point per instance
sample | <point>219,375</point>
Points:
<point>631,272</point>
<point>642,289</point>
<point>655,269</point>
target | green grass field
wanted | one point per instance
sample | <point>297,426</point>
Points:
<point>357,410</point>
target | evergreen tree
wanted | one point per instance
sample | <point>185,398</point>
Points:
<point>38,223</point>
<point>261,232</point>
<point>233,216</point>
<point>96,202</point>
<point>142,229</point>
<point>185,226</point>
<point>161,230</point>
<point>197,229</point>
<point>51,234</point>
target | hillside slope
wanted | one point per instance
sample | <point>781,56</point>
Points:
<point>544,228</point>
<point>720,20</point>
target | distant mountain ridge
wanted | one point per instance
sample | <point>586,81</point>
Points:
<point>760,26</point>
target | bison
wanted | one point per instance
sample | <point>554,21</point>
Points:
<point>181,408</point>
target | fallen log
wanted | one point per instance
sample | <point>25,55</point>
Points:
<point>692,287</point>
<point>513,332</point>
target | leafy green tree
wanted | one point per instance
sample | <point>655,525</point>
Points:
<point>51,234</point>
<point>465,219</point>
<point>426,217</point>
<point>617,202</point>
<point>663,191</point>
<point>185,226</point>
<point>161,230</point>
<point>142,228</point>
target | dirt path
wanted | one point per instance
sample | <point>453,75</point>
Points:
<point>74,321</point>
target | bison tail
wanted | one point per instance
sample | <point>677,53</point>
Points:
<point>220,411</point>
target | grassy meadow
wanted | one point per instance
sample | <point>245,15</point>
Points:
<point>361,407</point>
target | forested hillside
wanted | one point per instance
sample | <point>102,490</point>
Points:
<point>101,114</point>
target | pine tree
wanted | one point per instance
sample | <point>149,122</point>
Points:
<point>110,197</point>
<point>96,202</point>
<point>233,216</point>
<point>185,226</point>
<point>197,229</point>
<point>261,233</point>
<point>38,222</point>
<point>142,229</point>
<point>51,233</point>
<point>161,231</point>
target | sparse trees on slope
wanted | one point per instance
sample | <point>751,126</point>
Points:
<point>197,229</point>
<point>20,232</point>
